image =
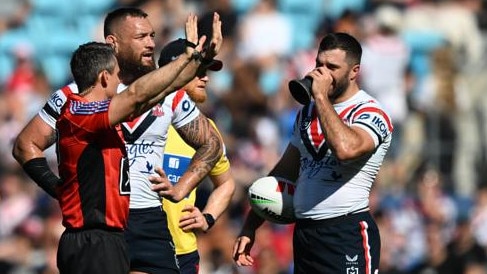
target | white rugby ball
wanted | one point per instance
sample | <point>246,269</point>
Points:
<point>272,199</point>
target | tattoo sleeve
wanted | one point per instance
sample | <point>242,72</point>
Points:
<point>203,137</point>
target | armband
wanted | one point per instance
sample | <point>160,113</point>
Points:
<point>190,44</point>
<point>209,220</point>
<point>196,54</point>
<point>39,171</point>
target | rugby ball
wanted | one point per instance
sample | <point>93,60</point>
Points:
<point>272,199</point>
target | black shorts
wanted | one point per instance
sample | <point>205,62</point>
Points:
<point>347,244</point>
<point>150,245</point>
<point>92,251</point>
<point>189,263</point>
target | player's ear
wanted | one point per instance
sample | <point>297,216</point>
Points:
<point>112,41</point>
<point>354,72</point>
<point>103,78</point>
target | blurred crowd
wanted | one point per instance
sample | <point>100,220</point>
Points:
<point>424,60</point>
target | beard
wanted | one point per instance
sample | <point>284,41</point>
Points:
<point>197,97</point>
<point>340,87</point>
<point>134,68</point>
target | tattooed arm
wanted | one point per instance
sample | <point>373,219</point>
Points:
<point>203,137</point>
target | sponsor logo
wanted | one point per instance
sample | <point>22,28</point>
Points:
<point>139,151</point>
<point>352,270</point>
<point>364,116</point>
<point>185,105</point>
<point>124,177</point>
<point>352,264</point>
<point>173,178</point>
<point>256,199</point>
<point>350,259</point>
<point>314,167</point>
<point>380,125</point>
<point>57,100</point>
<point>173,162</point>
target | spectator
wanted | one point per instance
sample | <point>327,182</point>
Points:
<point>264,40</point>
<point>385,53</point>
<point>13,13</point>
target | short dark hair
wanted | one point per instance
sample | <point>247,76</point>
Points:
<point>115,16</point>
<point>345,42</point>
<point>89,60</point>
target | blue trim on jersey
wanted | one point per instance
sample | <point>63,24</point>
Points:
<point>88,108</point>
<point>355,109</point>
<point>189,112</point>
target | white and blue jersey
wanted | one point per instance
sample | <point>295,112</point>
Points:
<point>145,137</point>
<point>326,187</point>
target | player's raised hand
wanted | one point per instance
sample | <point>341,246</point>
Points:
<point>322,82</point>
<point>216,38</point>
<point>191,31</point>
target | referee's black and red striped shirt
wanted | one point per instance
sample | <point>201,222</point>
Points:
<point>93,166</point>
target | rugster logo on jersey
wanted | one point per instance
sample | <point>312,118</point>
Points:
<point>311,134</point>
<point>132,130</point>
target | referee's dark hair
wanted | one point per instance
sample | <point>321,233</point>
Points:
<point>89,60</point>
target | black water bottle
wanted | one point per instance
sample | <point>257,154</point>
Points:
<point>301,89</point>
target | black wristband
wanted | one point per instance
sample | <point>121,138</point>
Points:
<point>209,220</point>
<point>39,171</point>
<point>190,44</point>
<point>196,56</point>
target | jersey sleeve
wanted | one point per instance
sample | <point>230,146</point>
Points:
<point>52,109</point>
<point>374,120</point>
<point>184,109</point>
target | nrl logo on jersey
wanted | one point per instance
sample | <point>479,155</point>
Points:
<point>352,261</point>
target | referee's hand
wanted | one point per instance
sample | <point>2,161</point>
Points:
<point>192,219</point>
